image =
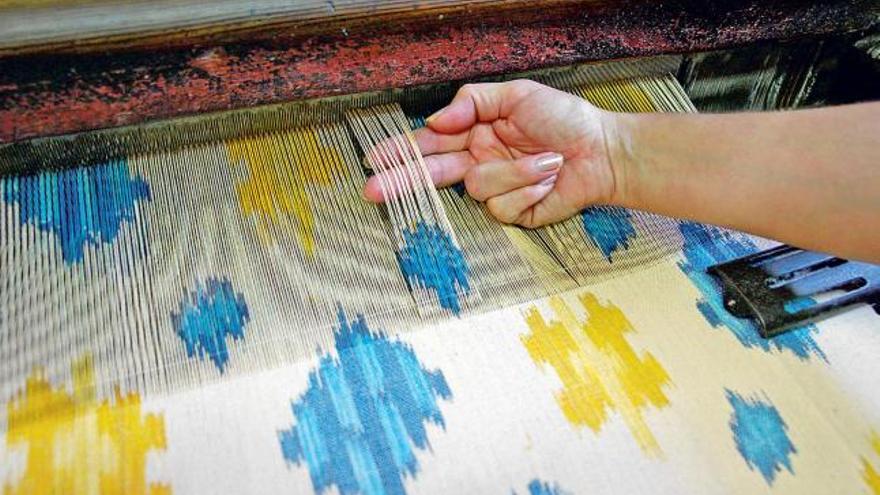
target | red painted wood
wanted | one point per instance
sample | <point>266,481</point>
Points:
<point>45,95</point>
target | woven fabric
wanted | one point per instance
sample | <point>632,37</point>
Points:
<point>233,317</point>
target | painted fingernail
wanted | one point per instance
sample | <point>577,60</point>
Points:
<point>548,163</point>
<point>434,115</point>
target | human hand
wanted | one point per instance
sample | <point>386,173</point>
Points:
<point>534,154</point>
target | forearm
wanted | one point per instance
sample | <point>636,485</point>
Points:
<point>809,178</point>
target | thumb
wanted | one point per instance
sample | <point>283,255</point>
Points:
<point>485,102</point>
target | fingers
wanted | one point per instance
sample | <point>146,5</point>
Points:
<point>447,136</point>
<point>483,182</point>
<point>491,179</point>
<point>445,170</point>
<point>514,206</point>
<point>428,141</point>
<point>551,209</point>
<point>431,142</point>
<point>484,102</point>
<point>446,165</point>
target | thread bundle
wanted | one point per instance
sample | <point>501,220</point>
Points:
<point>235,254</point>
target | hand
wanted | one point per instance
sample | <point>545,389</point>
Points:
<point>534,154</point>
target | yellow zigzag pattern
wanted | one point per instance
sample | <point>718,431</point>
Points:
<point>281,167</point>
<point>869,473</point>
<point>77,445</point>
<point>599,370</point>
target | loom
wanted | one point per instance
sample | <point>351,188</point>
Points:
<point>186,264</point>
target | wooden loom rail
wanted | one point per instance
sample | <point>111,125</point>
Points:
<point>49,94</point>
<point>83,26</point>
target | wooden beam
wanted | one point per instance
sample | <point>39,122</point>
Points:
<point>45,95</point>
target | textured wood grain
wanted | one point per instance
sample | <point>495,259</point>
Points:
<point>86,25</point>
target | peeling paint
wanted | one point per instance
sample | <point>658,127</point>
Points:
<point>43,95</point>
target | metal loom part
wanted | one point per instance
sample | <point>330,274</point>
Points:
<point>785,287</point>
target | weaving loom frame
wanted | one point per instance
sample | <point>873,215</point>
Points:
<point>624,374</point>
<point>44,95</point>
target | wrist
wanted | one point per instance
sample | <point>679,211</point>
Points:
<point>619,134</point>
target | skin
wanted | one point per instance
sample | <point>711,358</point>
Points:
<point>809,178</point>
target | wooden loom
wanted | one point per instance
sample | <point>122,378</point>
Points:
<point>216,102</point>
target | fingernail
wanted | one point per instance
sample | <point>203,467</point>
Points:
<point>434,115</point>
<point>550,162</point>
<point>549,181</point>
